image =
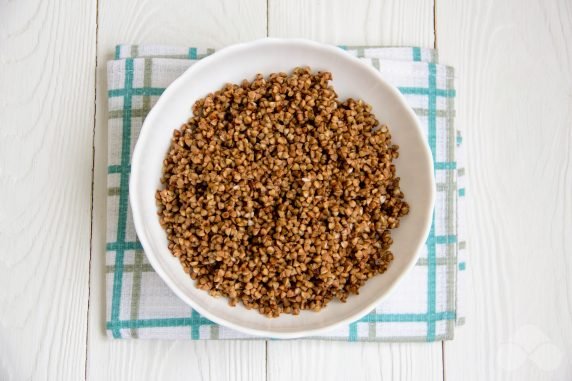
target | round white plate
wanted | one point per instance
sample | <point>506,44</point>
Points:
<point>351,78</point>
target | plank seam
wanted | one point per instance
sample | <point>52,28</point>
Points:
<point>434,24</point>
<point>443,374</point>
<point>266,357</point>
<point>92,190</point>
<point>443,359</point>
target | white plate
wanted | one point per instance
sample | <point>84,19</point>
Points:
<point>351,78</point>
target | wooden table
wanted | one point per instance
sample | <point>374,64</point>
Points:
<point>513,60</point>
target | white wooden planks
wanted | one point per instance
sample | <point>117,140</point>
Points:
<point>322,360</point>
<point>514,80</point>
<point>172,22</point>
<point>515,105</point>
<point>47,87</point>
<point>358,23</point>
<point>354,22</point>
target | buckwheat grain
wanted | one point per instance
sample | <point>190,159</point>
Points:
<point>279,196</point>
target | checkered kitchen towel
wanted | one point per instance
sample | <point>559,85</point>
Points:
<point>426,305</point>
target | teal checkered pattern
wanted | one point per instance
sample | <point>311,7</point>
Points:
<point>424,308</point>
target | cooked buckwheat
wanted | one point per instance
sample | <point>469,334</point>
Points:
<point>280,196</point>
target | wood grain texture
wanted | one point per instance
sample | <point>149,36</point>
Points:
<point>379,22</point>
<point>355,22</point>
<point>171,22</point>
<point>323,360</point>
<point>513,62</point>
<point>47,84</point>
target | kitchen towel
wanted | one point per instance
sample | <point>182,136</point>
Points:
<point>426,306</point>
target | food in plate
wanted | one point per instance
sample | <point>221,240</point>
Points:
<point>280,196</point>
